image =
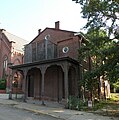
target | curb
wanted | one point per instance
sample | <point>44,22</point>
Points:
<point>18,105</point>
<point>38,112</point>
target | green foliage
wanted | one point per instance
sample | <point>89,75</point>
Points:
<point>116,85</point>
<point>100,51</point>
<point>100,14</point>
<point>104,56</point>
<point>2,84</point>
<point>99,105</point>
<point>114,97</point>
<point>73,103</point>
<point>94,49</point>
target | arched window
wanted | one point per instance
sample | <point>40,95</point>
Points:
<point>5,61</point>
<point>16,62</point>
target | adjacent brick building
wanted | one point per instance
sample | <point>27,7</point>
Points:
<point>51,69</point>
<point>11,52</point>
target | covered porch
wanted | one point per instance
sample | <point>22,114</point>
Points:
<point>49,80</point>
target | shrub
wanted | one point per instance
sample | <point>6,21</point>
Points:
<point>72,102</point>
<point>116,86</point>
<point>2,84</point>
<point>76,103</point>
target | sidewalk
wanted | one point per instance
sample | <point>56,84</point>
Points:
<point>55,111</point>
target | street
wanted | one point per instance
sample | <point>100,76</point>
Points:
<point>13,110</point>
<point>7,112</point>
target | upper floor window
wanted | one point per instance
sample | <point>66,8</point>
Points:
<point>65,49</point>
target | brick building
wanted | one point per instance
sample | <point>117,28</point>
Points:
<point>51,69</point>
<point>11,52</point>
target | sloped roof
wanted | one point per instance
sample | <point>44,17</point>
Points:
<point>55,33</point>
<point>19,42</point>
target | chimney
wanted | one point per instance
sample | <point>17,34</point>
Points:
<point>57,25</point>
<point>39,31</point>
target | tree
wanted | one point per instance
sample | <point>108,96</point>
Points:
<point>102,22</point>
<point>101,14</point>
<point>94,49</point>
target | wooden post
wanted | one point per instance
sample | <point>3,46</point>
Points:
<point>42,85</point>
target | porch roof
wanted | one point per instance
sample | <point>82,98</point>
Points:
<point>56,60</point>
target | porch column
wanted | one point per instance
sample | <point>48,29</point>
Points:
<point>11,79</point>
<point>77,80</point>
<point>66,86</point>
<point>24,86</point>
<point>42,85</point>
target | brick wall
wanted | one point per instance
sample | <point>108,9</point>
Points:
<point>60,38</point>
<point>73,45</point>
<point>5,49</point>
<point>55,35</point>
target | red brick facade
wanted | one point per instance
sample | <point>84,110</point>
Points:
<point>51,68</point>
<point>9,54</point>
<point>5,49</point>
<point>60,38</point>
<point>73,46</point>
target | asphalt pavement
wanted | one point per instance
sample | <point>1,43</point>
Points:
<point>8,112</point>
<point>55,110</point>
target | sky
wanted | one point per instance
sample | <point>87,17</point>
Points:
<point>24,18</point>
